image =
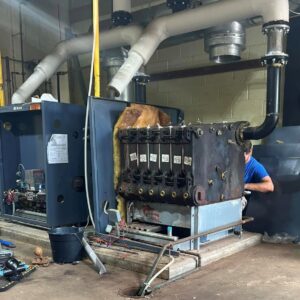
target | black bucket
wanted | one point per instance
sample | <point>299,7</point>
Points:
<point>66,244</point>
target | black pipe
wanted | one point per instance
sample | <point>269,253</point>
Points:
<point>140,90</point>
<point>8,80</point>
<point>58,85</point>
<point>21,41</point>
<point>274,77</point>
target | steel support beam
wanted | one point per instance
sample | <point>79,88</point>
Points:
<point>207,70</point>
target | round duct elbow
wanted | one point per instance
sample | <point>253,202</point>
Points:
<point>225,43</point>
<point>113,61</point>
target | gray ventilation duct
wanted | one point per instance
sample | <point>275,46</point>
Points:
<point>225,43</point>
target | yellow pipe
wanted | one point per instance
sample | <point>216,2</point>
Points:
<point>2,97</point>
<point>97,71</point>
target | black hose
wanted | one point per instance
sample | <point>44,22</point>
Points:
<point>274,76</point>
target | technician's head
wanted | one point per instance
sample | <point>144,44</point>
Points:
<point>248,148</point>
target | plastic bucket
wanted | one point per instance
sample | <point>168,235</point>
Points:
<point>66,244</point>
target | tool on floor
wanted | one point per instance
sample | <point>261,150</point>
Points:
<point>93,256</point>
<point>11,270</point>
<point>7,244</point>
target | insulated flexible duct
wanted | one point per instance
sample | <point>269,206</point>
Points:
<point>123,5</point>
<point>113,38</point>
<point>191,20</point>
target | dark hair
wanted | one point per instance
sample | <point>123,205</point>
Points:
<point>247,146</point>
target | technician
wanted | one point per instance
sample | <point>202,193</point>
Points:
<point>256,178</point>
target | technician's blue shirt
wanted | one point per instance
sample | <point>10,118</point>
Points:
<point>254,171</point>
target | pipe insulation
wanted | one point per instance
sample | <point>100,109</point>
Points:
<point>122,5</point>
<point>117,37</point>
<point>203,17</point>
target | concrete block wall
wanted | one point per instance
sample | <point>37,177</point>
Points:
<point>228,96</point>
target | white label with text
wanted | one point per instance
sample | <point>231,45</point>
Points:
<point>133,156</point>
<point>165,158</point>
<point>153,157</point>
<point>188,160</point>
<point>177,160</point>
<point>143,158</point>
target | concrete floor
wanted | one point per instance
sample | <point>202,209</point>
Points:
<point>261,272</point>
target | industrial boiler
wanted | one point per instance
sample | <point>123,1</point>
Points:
<point>177,181</point>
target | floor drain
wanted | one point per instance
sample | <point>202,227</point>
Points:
<point>130,292</point>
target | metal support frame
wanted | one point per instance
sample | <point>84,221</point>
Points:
<point>143,287</point>
<point>196,219</point>
<point>207,70</point>
<point>136,245</point>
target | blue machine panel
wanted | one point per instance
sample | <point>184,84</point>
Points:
<point>24,136</point>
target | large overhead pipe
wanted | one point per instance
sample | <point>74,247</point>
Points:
<point>117,37</point>
<point>191,20</point>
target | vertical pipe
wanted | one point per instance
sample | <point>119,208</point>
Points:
<point>58,85</point>
<point>274,77</point>
<point>96,23</point>
<point>140,82</point>
<point>8,79</point>
<point>21,41</point>
<point>2,99</point>
<point>140,92</point>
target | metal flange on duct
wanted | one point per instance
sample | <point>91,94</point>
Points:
<point>121,15</point>
<point>178,5</point>
<point>225,43</point>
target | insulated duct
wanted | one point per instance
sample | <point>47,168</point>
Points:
<point>113,38</point>
<point>122,5</point>
<point>113,60</point>
<point>203,17</point>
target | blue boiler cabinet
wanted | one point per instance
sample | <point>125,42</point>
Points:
<point>41,164</point>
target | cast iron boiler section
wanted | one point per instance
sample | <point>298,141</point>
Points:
<point>184,165</point>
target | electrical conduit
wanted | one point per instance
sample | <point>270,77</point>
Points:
<point>2,98</point>
<point>97,71</point>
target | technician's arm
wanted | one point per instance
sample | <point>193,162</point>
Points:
<point>266,185</point>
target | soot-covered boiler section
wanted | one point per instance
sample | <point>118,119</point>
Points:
<point>186,165</point>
